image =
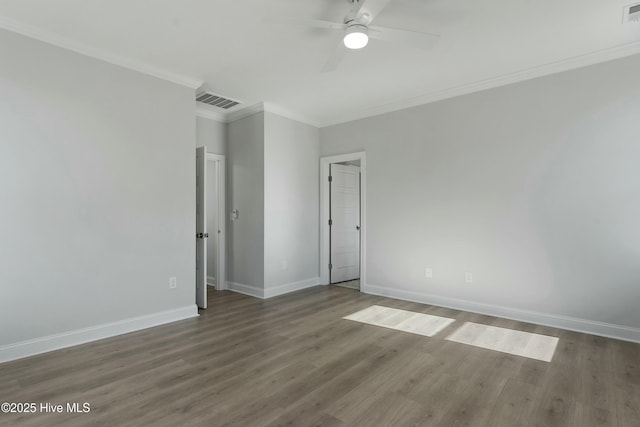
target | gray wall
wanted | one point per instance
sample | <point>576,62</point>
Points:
<point>532,187</point>
<point>211,134</point>
<point>245,192</point>
<point>97,179</point>
<point>291,196</point>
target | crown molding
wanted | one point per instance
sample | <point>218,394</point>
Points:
<point>575,62</point>
<point>231,116</point>
<point>245,112</point>
<point>206,113</point>
<point>283,112</point>
<point>93,52</point>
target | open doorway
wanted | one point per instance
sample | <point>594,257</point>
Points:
<point>343,213</point>
<point>344,224</point>
<point>210,224</point>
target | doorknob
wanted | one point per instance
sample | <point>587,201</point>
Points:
<point>202,235</point>
<point>357,227</point>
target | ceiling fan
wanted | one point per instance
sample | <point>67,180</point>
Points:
<point>357,30</point>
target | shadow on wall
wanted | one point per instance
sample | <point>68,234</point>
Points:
<point>585,207</point>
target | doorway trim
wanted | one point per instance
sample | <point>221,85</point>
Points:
<point>221,280</point>
<point>324,214</point>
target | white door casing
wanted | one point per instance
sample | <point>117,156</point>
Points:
<point>325,163</point>
<point>201,227</point>
<point>345,223</point>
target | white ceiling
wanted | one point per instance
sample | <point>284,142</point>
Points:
<point>229,45</point>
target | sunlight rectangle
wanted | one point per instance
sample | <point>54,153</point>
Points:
<point>401,320</point>
<point>519,343</point>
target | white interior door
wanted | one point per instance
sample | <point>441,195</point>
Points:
<point>344,223</point>
<point>201,227</point>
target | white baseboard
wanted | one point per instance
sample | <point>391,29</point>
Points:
<point>81,336</point>
<point>272,291</point>
<point>608,330</point>
<point>252,291</point>
<point>291,287</point>
<point>211,281</point>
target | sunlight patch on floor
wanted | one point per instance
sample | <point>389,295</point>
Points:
<point>401,320</point>
<point>519,343</point>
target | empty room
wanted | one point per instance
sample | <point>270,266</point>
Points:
<point>319,213</point>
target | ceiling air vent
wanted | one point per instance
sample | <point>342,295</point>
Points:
<point>631,13</point>
<point>216,100</point>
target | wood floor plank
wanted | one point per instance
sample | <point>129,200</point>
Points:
<point>435,395</point>
<point>389,409</point>
<point>627,404</point>
<point>517,402</point>
<point>357,401</point>
<point>292,360</point>
<point>325,420</point>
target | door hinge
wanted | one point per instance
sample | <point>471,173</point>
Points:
<point>330,266</point>
<point>330,222</point>
<point>330,178</point>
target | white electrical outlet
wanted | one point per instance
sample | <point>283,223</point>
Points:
<point>173,282</point>
<point>468,277</point>
<point>428,273</point>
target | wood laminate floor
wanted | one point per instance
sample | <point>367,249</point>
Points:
<point>293,361</point>
<point>351,284</point>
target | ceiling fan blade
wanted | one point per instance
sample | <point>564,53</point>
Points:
<point>335,58</point>
<point>407,38</point>
<point>318,23</point>
<point>355,10</point>
<point>369,9</point>
<point>315,23</point>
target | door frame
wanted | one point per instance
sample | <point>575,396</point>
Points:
<point>201,228</point>
<point>221,282</point>
<point>324,214</point>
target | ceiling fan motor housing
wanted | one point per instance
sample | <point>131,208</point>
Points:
<point>356,36</point>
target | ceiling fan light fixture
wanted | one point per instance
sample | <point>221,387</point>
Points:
<point>355,37</point>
